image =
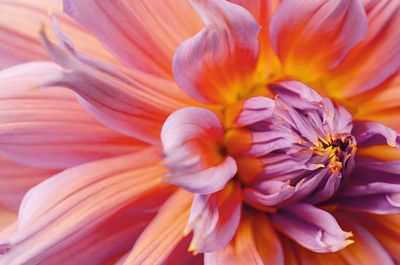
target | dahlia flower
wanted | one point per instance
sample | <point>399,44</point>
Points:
<point>200,132</point>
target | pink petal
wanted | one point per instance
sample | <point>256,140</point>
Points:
<point>214,219</point>
<point>311,227</point>
<point>376,58</point>
<point>255,242</point>
<point>89,213</point>
<point>143,34</point>
<point>20,22</point>
<point>192,139</point>
<point>217,64</point>
<point>49,129</point>
<point>131,102</point>
<point>6,218</point>
<point>17,179</point>
<point>164,233</point>
<point>312,38</point>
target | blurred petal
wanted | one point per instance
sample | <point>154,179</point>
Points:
<point>376,58</point>
<point>164,233</point>
<point>217,64</point>
<point>311,227</point>
<point>311,38</point>
<point>255,242</point>
<point>143,34</point>
<point>20,23</point>
<point>103,204</point>
<point>6,218</point>
<point>192,140</point>
<point>16,180</point>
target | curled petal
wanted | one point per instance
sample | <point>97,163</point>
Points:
<point>373,133</point>
<point>214,219</point>
<point>216,65</point>
<point>192,139</point>
<point>312,38</point>
<point>103,204</point>
<point>255,110</point>
<point>130,102</point>
<point>311,227</point>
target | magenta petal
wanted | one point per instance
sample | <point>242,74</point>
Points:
<point>311,227</point>
<point>215,65</point>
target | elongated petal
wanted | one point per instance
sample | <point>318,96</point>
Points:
<point>192,139</point>
<point>143,34</point>
<point>373,133</point>
<point>6,218</point>
<point>376,58</point>
<point>311,38</point>
<point>49,129</point>
<point>216,65</point>
<point>214,219</point>
<point>20,23</point>
<point>103,204</point>
<point>130,102</point>
<point>164,232</point>
<point>17,179</point>
<point>311,227</point>
<point>255,242</point>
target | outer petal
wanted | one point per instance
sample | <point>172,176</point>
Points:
<point>217,64</point>
<point>131,102</point>
<point>215,218</point>
<point>164,232</point>
<point>192,139</point>
<point>311,227</point>
<point>376,58</point>
<point>373,133</point>
<point>49,129</point>
<point>6,218</point>
<point>255,242</point>
<point>17,179</point>
<point>20,22</point>
<point>143,34</point>
<point>313,37</point>
<point>103,205</point>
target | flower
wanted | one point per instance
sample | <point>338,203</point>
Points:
<point>222,132</point>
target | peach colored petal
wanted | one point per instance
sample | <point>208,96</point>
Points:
<point>164,233</point>
<point>49,129</point>
<point>218,63</point>
<point>103,204</point>
<point>20,22</point>
<point>6,218</point>
<point>16,180</point>
<point>131,102</point>
<point>255,242</point>
<point>311,38</point>
<point>376,58</point>
<point>143,34</point>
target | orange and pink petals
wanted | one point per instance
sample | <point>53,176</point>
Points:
<point>376,58</point>
<point>99,207</point>
<point>48,128</point>
<point>143,34</point>
<point>214,218</point>
<point>130,102</point>
<point>311,38</point>
<point>255,242</point>
<point>311,227</point>
<point>218,63</point>
<point>165,232</point>
<point>192,141</point>
<point>6,218</point>
<point>16,180</point>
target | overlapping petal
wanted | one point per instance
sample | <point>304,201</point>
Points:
<point>143,34</point>
<point>103,204</point>
<point>311,38</point>
<point>216,65</point>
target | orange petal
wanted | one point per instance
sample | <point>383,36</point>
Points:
<point>164,233</point>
